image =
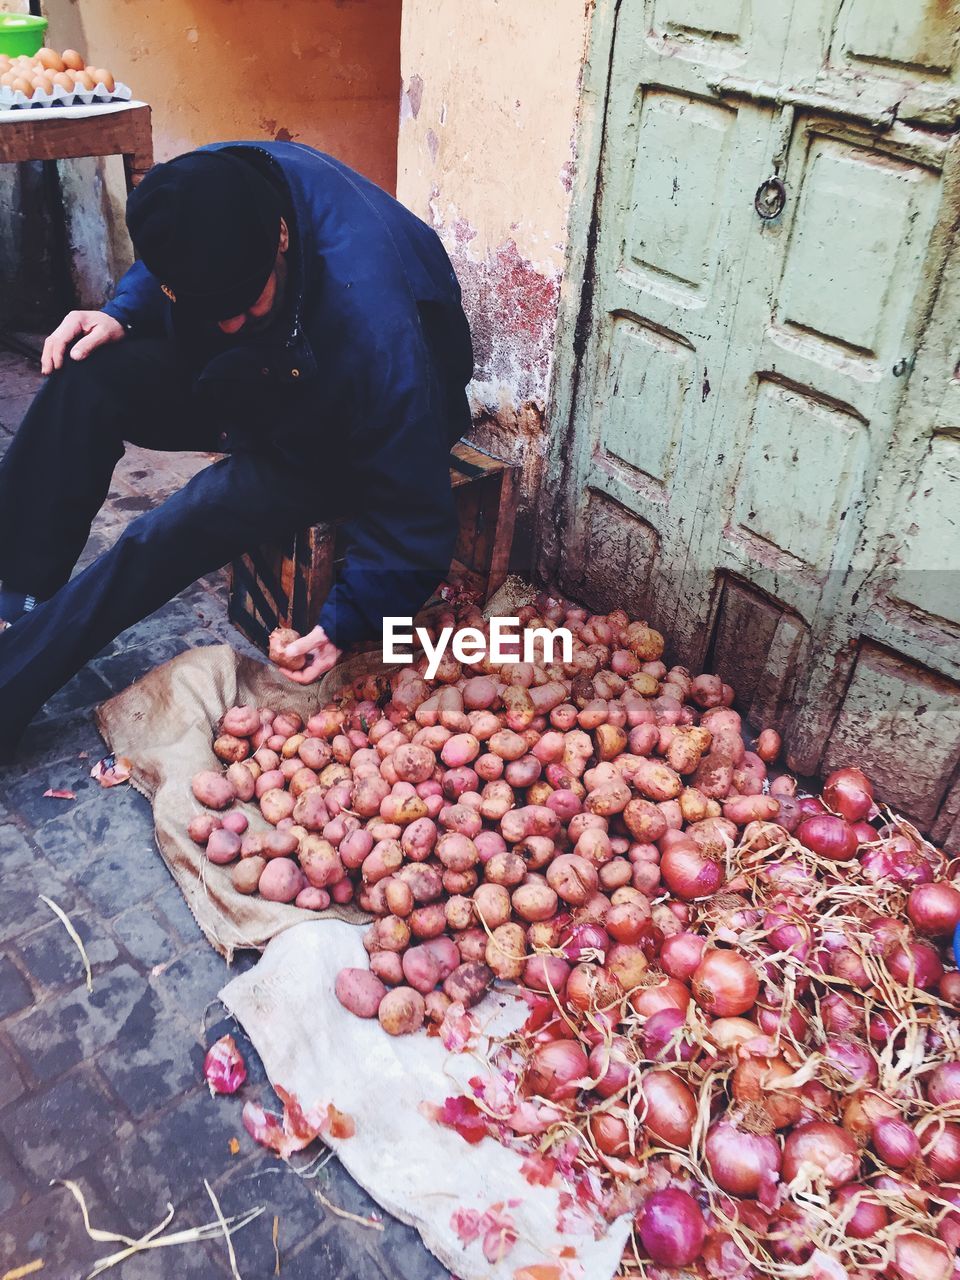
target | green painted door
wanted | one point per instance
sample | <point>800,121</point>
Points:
<point>765,454</point>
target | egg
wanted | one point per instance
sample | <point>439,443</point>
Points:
<point>72,60</point>
<point>50,60</point>
<point>43,84</point>
<point>24,86</point>
<point>102,76</point>
<point>4,64</point>
<point>64,80</point>
<point>7,78</point>
<point>85,82</point>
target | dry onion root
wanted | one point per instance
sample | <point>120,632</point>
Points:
<point>743,1006</point>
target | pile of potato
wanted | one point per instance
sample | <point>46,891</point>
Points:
<point>483,815</point>
<point>46,70</point>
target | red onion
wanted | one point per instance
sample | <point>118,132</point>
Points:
<point>840,1013</point>
<point>869,1216</point>
<point>223,1068</point>
<point>680,955</point>
<point>895,1142</point>
<point>829,837</point>
<point>949,989</point>
<point>670,1109</point>
<point>944,1084</point>
<point>668,993</point>
<point>849,793</point>
<point>863,1110</point>
<point>725,983</point>
<point>588,987</point>
<point>940,1145</point>
<point>606,1024</point>
<point>612,1066</point>
<point>865,833</point>
<point>657,1033</point>
<point>541,972</point>
<point>810,806</point>
<point>792,1021</point>
<point>754,1081</point>
<point>584,937</point>
<point>846,964</point>
<point>789,1240</point>
<point>689,874</point>
<point>555,1068</point>
<point>831,1151</point>
<point>741,1163</point>
<point>917,1257</point>
<point>852,1060</point>
<point>610,1132</point>
<point>672,1228</point>
<point>935,908</point>
<point>898,859</point>
<point>916,964</point>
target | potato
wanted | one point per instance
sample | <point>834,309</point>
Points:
<point>419,839</point>
<point>457,852</point>
<point>533,902</point>
<point>231,750</point>
<point>421,969</point>
<point>428,921</point>
<point>241,781</point>
<point>506,951</point>
<point>241,722</point>
<point>212,789</point>
<point>492,904</point>
<point>644,821</point>
<point>507,868</point>
<point>383,860</point>
<point>401,1011</point>
<point>312,899</point>
<point>458,910</point>
<point>281,880</point>
<point>235,821</point>
<point>359,991</point>
<point>656,781</point>
<point>445,952</point>
<point>269,780</point>
<point>713,776</point>
<point>275,805</point>
<point>468,983</point>
<point>532,820</point>
<point>279,844</point>
<point>424,880</point>
<point>320,862</point>
<point>223,846</point>
<point>744,809</point>
<point>279,639</point>
<point>573,879</point>
<point>200,828</point>
<point>246,874</point>
<point>437,1004</point>
<point>388,967</point>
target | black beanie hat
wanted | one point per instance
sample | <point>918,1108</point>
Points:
<point>207,226</point>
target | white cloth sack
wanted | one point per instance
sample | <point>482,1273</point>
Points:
<point>418,1170</point>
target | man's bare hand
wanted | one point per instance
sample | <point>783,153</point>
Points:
<point>97,329</point>
<point>321,654</point>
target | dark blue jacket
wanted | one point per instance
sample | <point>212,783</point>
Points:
<point>366,384</point>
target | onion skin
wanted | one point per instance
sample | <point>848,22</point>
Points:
<point>755,1081</point>
<point>829,837</point>
<point>672,1228</point>
<point>934,908</point>
<point>725,983</point>
<point>827,1147</point>
<point>741,1163</point>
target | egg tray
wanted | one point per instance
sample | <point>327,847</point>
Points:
<point>61,98</point>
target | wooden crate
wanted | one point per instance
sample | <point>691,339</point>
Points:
<point>287,583</point>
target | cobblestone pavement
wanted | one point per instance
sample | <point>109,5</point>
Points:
<point>106,1088</point>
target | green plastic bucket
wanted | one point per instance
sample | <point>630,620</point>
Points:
<point>21,33</point>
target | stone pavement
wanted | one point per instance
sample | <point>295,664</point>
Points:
<point>106,1088</point>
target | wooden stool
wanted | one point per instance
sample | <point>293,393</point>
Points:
<point>286,584</point>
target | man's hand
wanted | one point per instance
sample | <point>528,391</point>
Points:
<point>97,327</point>
<point>321,654</point>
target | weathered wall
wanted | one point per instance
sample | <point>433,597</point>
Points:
<point>488,121</point>
<point>323,72</point>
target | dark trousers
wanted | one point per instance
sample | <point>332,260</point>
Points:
<point>56,476</point>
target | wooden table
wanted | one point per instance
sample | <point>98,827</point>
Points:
<point>65,133</point>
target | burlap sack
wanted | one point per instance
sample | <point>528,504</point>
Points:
<point>165,725</point>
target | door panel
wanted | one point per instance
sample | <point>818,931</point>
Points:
<point>756,459</point>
